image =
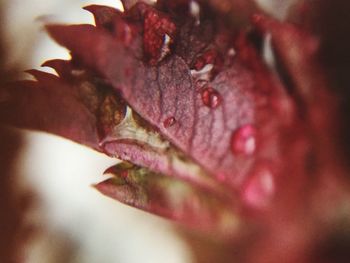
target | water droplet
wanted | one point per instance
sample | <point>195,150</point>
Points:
<point>211,98</point>
<point>243,140</point>
<point>259,188</point>
<point>208,57</point>
<point>231,52</point>
<point>169,122</point>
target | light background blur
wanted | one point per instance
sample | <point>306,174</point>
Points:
<point>78,224</point>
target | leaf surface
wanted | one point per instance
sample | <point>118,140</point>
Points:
<point>206,103</point>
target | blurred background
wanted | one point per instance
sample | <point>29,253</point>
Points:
<point>71,221</point>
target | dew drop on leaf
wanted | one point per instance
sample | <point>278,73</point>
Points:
<point>243,140</point>
<point>211,98</point>
<point>231,52</point>
<point>259,188</point>
<point>208,57</point>
<point>169,122</point>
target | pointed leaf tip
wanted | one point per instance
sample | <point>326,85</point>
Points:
<point>41,76</point>
<point>169,198</point>
<point>103,15</point>
<point>59,65</point>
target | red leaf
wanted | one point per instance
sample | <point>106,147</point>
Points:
<point>76,105</point>
<point>173,90</point>
<point>170,198</point>
<point>205,113</point>
<point>49,105</point>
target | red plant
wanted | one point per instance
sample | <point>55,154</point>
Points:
<point>249,155</point>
